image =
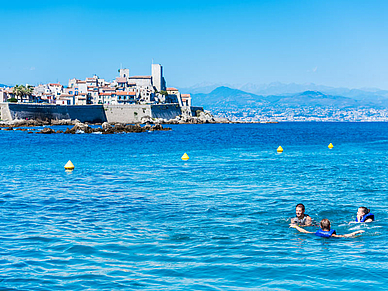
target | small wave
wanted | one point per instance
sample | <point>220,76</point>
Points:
<point>211,209</point>
<point>81,249</point>
<point>39,238</point>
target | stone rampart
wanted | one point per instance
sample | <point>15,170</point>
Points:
<point>166,111</point>
<point>84,113</point>
<point>131,113</point>
<point>127,113</point>
<point>194,110</point>
<point>5,113</point>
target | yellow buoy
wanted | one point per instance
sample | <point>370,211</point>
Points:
<point>69,166</point>
<point>185,157</point>
<point>280,149</point>
<point>330,146</point>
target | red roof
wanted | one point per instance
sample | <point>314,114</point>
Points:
<point>55,85</point>
<point>185,95</point>
<point>140,77</point>
<point>172,89</point>
<point>106,94</point>
<point>126,93</point>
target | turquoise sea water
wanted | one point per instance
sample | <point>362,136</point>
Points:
<point>133,215</point>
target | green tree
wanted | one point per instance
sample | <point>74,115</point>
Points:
<point>22,91</point>
<point>18,91</point>
<point>29,90</point>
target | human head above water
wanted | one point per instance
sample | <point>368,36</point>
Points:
<point>299,210</point>
<point>325,224</point>
<point>363,210</point>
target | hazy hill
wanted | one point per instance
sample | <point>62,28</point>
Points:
<point>224,97</point>
<point>279,89</point>
<point>228,98</point>
<point>315,99</point>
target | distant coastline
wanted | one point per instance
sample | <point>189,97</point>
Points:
<point>241,106</point>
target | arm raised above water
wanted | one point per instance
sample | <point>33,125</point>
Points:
<point>299,228</point>
<point>349,234</point>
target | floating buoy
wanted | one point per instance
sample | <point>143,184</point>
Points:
<point>280,149</point>
<point>330,146</point>
<point>185,157</point>
<point>69,166</point>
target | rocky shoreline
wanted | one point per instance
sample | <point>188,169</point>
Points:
<point>203,117</point>
<point>79,127</point>
<point>150,124</point>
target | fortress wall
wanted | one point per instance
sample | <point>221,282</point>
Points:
<point>131,113</point>
<point>127,113</point>
<point>166,111</point>
<point>194,110</point>
<point>5,113</point>
<point>84,113</point>
<point>87,113</point>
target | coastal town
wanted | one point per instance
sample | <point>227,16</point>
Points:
<point>124,89</point>
<point>308,114</point>
<point>126,99</point>
<point>120,100</point>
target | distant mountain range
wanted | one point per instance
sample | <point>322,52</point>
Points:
<point>278,88</point>
<point>228,98</point>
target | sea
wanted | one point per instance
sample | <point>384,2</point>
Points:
<point>133,215</point>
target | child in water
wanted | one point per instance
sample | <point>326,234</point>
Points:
<point>301,218</point>
<point>364,215</point>
<point>326,231</point>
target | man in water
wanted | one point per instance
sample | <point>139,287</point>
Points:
<point>364,215</point>
<point>301,218</point>
<point>326,230</point>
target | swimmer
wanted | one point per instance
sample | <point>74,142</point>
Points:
<point>301,218</point>
<point>326,231</point>
<point>364,215</point>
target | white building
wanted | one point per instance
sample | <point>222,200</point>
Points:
<point>55,89</point>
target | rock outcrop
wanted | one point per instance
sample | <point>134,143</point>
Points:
<point>36,123</point>
<point>47,130</point>
<point>186,118</point>
<point>107,128</point>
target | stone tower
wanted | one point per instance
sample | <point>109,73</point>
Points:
<point>157,77</point>
<point>124,73</point>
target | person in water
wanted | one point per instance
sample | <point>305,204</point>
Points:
<point>301,218</point>
<point>364,215</point>
<point>326,231</point>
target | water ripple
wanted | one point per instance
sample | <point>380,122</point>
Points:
<point>132,215</point>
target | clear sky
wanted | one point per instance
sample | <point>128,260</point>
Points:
<point>337,43</point>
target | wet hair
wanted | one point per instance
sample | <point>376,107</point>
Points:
<point>364,209</point>
<point>300,205</point>
<point>325,224</point>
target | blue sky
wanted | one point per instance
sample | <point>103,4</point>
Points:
<point>333,43</point>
